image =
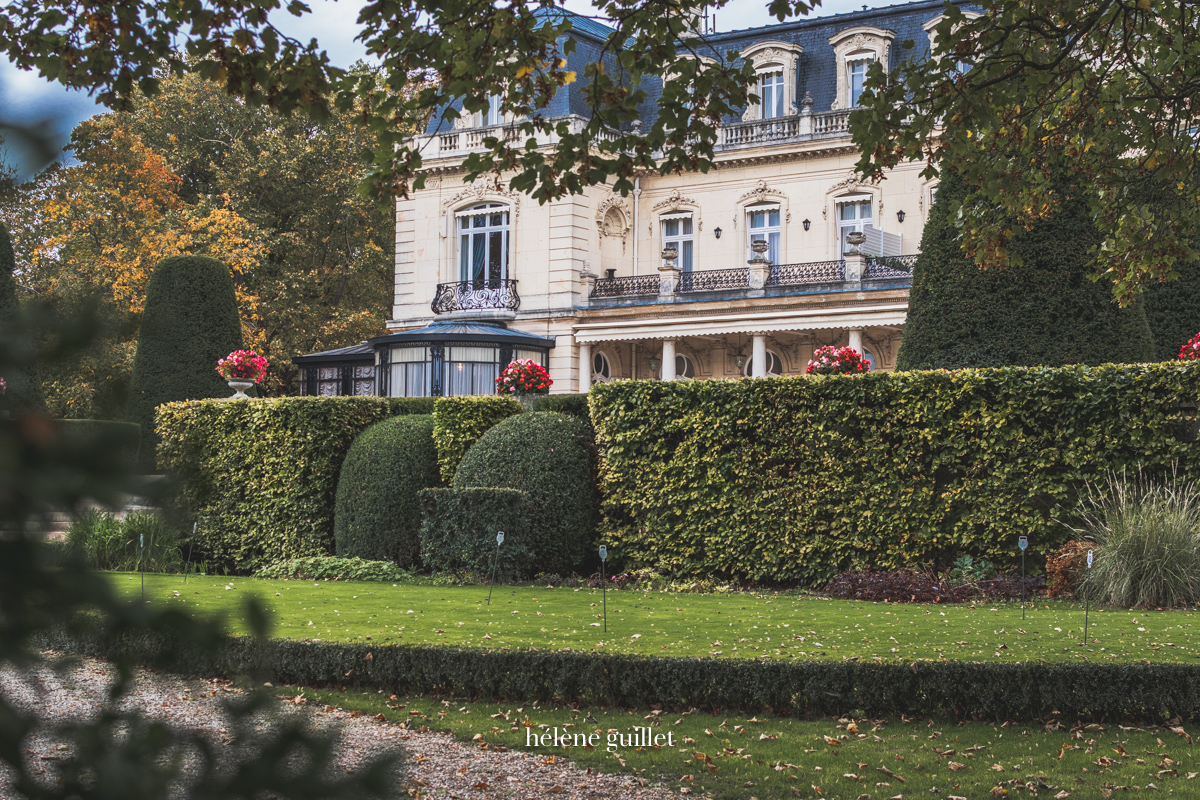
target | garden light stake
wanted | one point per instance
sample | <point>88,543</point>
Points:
<point>495,561</point>
<point>1022,542</point>
<point>1087,597</point>
<point>188,566</point>
<point>604,584</point>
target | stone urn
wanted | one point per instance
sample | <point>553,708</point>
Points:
<point>239,389</point>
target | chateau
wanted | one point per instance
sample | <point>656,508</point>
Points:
<point>742,271</point>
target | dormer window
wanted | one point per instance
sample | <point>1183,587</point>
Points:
<point>771,92</point>
<point>855,49</point>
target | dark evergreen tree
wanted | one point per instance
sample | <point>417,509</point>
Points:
<point>1045,311</point>
<point>189,323</point>
<point>1173,309</point>
<point>23,387</point>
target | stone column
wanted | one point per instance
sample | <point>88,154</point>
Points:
<point>668,358</point>
<point>585,367</point>
<point>856,339</point>
<point>758,357</point>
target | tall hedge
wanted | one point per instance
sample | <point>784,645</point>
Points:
<point>1045,311</point>
<point>260,476</point>
<point>458,422</point>
<point>797,479</point>
<point>1173,309</point>
<point>549,457</point>
<point>458,531</point>
<point>378,511</point>
<point>190,322</point>
<point>23,390</point>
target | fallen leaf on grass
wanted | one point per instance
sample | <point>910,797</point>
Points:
<point>955,766</point>
<point>889,773</point>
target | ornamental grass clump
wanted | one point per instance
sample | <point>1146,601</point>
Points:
<point>1147,537</point>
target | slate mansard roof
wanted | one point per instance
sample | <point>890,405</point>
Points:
<point>816,72</point>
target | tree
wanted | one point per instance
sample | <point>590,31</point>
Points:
<point>22,386</point>
<point>1044,311</point>
<point>1009,96</point>
<point>1173,310</point>
<point>190,322</point>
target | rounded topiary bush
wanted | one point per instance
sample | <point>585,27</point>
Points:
<point>549,457</point>
<point>377,515</point>
<point>189,323</point>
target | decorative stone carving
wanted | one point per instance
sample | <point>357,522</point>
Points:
<point>760,194</point>
<point>855,44</point>
<point>480,192</point>
<point>763,56</point>
<point>614,209</point>
<point>674,202</point>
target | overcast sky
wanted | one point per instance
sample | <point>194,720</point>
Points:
<point>27,97</point>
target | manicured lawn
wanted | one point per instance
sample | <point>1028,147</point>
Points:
<point>734,756</point>
<point>729,626</point>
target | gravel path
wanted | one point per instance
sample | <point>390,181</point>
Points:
<point>434,764</point>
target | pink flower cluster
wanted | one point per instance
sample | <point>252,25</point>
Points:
<point>243,365</point>
<point>524,376</point>
<point>1192,348</point>
<point>830,360</point>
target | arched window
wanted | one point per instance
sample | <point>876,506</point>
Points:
<point>601,368</point>
<point>684,368</point>
<point>774,365</point>
<point>870,359</point>
<point>483,243</point>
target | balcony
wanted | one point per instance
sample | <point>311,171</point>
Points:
<point>877,269</point>
<point>475,296</point>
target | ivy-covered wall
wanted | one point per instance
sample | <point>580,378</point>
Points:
<point>259,477</point>
<point>797,479</point>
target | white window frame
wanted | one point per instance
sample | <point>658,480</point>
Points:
<point>685,243</point>
<point>857,67</point>
<point>768,58</point>
<point>492,115</point>
<point>845,226</point>
<point>684,365</point>
<point>766,231</point>
<point>467,232</point>
<point>605,374</point>
<point>858,43</point>
<point>771,93</point>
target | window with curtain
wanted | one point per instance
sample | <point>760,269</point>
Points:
<point>770,89</point>
<point>411,372</point>
<point>492,115</point>
<point>764,225</point>
<point>483,232</point>
<point>677,232</point>
<point>470,370</point>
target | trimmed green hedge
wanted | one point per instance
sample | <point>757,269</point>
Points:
<point>458,422</point>
<point>330,568</point>
<point>575,405</point>
<point>1015,691</point>
<point>799,479</point>
<point>121,440</point>
<point>460,527</point>
<point>189,323</point>
<point>260,476</point>
<point>378,512</point>
<point>550,457</point>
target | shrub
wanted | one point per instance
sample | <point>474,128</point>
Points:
<point>458,422</point>
<point>1173,310</point>
<point>1045,310</point>
<point>378,512</point>
<point>330,568</point>
<point>460,526</point>
<point>550,458</point>
<point>141,541</point>
<point>1024,691</point>
<point>190,322</point>
<point>260,477</point>
<point>574,405</point>
<point>1147,535</point>
<point>796,480</point>
<point>121,440</point>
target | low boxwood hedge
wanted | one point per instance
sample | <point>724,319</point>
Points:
<point>1027,691</point>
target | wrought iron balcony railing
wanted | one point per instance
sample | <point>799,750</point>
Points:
<point>714,280</point>
<point>626,285</point>
<point>811,272</point>
<point>475,296</point>
<point>889,267</point>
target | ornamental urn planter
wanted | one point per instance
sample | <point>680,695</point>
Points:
<point>239,389</point>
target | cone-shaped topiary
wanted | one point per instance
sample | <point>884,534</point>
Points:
<point>550,457</point>
<point>190,321</point>
<point>23,387</point>
<point>378,511</point>
<point>1043,312</point>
